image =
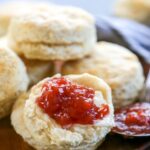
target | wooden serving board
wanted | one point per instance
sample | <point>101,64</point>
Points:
<point>9,140</point>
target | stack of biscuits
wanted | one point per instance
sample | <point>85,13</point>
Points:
<point>36,45</point>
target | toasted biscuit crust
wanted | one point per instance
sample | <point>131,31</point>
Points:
<point>47,134</point>
<point>119,67</point>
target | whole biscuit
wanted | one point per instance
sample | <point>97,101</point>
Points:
<point>62,33</point>
<point>42,132</point>
<point>118,67</point>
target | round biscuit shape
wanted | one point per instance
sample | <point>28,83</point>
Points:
<point>62,33</point>
<point>42,132</point>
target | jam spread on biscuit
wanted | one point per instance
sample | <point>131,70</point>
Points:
<point>133,120</point>
<point>69,103</point>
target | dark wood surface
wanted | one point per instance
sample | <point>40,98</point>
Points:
<point>9,140</point>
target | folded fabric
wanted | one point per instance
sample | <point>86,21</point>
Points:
<point>133,35</point>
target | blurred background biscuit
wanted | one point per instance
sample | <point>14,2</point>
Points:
<point>138,10</point>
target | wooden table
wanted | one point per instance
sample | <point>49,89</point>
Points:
<point>9,140</point>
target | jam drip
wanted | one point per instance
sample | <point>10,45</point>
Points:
<point>69,103</point>
<point>134,119</point>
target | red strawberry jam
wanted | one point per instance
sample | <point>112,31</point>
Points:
<point>69,103</point>
<point>133,120</point>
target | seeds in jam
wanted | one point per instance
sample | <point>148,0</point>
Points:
<point>69,103</point>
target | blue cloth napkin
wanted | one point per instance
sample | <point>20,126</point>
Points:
<point>133,35</point>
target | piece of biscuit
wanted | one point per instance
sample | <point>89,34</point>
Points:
<point>119,67</point>
<point>42,132</point>
<point>13,79</point>
<point>138,10</point>
<point>60,33</point>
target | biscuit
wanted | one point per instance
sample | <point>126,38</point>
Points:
<point>13,79</point>
<point>37,70</point>
<point>138,10</point>
<point>42,132</point>
<point>9,10</point>
<point>62,33</point>
<point>118,67</point>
